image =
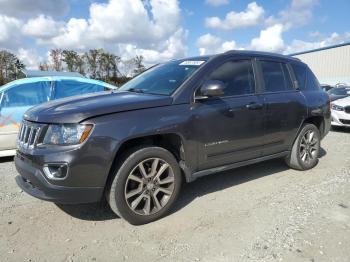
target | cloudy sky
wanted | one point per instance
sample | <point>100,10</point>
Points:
<point>164,29</point>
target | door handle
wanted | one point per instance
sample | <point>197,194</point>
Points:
<point>254,106</point>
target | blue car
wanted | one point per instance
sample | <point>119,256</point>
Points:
<point>18,96</point>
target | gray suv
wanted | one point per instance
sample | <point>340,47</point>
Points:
<point>177,121</point>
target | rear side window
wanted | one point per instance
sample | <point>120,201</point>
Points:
<point>276,76</point>
<point>300,74</point>
<point>238,77</point>
<point>66,88</point>
<point>312,82</point>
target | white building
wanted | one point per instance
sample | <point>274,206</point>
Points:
<point>330,64</point>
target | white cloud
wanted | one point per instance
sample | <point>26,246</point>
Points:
<point>75,35</point>
<point>133,22</point>
<point>9,27</point>
<point>252,16</point>
<point>151,29</point>
<point>270,39</point>
<point>210,44</point>
<point>30,8</point>
<point>301,45</point>
<point>29,57</point>
<point>41,27</point>
<point>217,2</point>
<point>298,13</point>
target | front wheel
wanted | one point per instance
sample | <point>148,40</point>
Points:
<point>306,148</point>
<point>145,185</point>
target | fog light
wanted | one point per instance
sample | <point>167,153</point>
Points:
<point>56,171</point>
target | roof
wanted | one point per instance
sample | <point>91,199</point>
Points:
<point>320,49</point>
<point>262,54</point>
<point>37,73</point>
<point>55,78</point>
<point>241,52</point>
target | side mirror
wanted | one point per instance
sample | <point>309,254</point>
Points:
<point>211,88</point>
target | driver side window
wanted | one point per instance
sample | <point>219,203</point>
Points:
<point>237,76</point>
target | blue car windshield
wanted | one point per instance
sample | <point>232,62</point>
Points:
<point>162,79</point>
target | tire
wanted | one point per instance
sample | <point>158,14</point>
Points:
<point>305,152</point>
<point>145,185</point>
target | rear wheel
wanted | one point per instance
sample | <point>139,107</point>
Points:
<point>306,148</point>
<point>145,186</point>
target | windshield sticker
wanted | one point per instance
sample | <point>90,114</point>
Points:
<point>191,63</point>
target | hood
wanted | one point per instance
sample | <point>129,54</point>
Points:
<point>79,108</point>
<point>343,102</point>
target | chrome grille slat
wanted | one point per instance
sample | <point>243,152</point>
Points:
<point>29,135</point>
<point>26,134</point>
<point>36,136</point>
<point>20,133</point>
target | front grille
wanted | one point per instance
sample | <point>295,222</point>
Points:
<point>29,134</point>
<point>347,109</point>
<point>345,122</point>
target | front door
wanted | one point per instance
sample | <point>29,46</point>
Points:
<point>229,129</point>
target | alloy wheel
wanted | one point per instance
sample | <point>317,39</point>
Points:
<point>149,186</point>
<point>308,149</point>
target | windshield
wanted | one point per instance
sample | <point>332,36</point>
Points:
<point>162,79</point>
<point>340,91</point>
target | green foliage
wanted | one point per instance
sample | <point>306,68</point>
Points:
<point>10,67</point>
<point>95,63</point>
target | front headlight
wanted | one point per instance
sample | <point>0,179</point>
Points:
<point>67,134</point>
<point>337,108</point>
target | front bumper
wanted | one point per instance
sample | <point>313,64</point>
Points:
<point>340,118</point>
<point>33,182</point>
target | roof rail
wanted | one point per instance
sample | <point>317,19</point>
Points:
<point>262,53</point>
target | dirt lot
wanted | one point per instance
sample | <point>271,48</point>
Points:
<point>264,212</point>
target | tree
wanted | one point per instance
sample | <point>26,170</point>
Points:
<point>108,64</point>
<point>43,66</point>
<point>96,63</point>
<point>70,57</point>
<point>115,66</point>
<point>80,64</point>
<point>128,68</point>
<point>92,61</point>
<point>10,67</point>
<point>56,57</point>
<point>138,61</point>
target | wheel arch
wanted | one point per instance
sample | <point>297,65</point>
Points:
<point>172,142</point>
<point>318,121</point>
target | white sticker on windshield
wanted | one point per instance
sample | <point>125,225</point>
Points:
<point>192,63</point>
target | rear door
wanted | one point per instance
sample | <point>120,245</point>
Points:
<point>229,129</point>
<point>284,105</point>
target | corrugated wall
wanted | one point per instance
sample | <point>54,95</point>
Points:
<point>331,66</point>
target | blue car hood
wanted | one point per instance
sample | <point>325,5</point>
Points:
<point>78,108</point>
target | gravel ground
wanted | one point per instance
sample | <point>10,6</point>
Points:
<point>264,212</point>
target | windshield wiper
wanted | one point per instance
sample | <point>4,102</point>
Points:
<point>136,90</point>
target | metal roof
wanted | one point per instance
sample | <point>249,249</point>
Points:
<point>37,73</point>
<point>320,49</point>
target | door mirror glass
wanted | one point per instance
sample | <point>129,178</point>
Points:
<point>212,88</point>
